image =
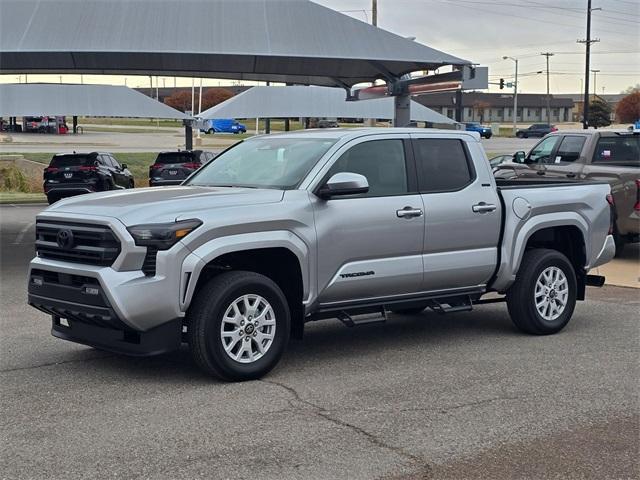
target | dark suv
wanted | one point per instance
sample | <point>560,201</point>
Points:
<point>536,130</point>
<point>77,173</point>
<point>171,168</point>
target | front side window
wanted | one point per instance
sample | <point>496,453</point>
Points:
<point>442,165</point>
<point>541,153</point>
<point>276,162</point>
<point>569,149</point>
<point>382,162</point>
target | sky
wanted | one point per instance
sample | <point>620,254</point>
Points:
<point>483,31</point>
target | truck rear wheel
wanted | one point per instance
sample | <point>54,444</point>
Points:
<point>238,326</point>
<point>543,297</point>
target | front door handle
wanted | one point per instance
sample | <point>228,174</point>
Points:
<point>409,212</point>
<point>483,207</point>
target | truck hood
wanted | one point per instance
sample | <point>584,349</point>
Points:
<point>150,205</point>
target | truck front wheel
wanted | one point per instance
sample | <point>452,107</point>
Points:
<point>238,326</point>
<point>543,297</point>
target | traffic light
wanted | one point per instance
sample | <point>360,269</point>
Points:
<point>501,83</point>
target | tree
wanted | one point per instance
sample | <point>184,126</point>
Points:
<point>180,101</point>
<point>214,96</point>
<point>599,114</point>
<point>628,109</point>
<point>632,89</point>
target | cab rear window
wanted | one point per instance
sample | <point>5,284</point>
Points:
<point>620,150</point>
<point>62,161</point>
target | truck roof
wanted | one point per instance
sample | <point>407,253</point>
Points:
<point>593,132</point>
<point>349,133</point>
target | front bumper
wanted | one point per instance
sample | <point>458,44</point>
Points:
<point>160,182</point>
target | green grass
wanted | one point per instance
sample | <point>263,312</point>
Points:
<point>19,197</point>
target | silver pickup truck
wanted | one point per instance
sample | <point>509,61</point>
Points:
<point>285,229</point>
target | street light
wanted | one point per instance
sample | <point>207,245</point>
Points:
<point>515,94</point>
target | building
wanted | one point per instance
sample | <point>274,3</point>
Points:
<point>498,107</point>
<point>578,104</point>
<point>164,92</point>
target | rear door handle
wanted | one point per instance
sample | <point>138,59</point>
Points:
<point>409,212</point>
<point>483,207</point>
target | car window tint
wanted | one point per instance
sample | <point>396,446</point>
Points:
<point>622,150</point>
<point>61,161</point>
<point>382,162</point>
<point>541,153</point>
<point>442,164</point>
<point>114,162</point>
<point>569,149</point>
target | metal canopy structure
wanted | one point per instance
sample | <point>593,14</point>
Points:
<point>289,41</point>
<point>299,101</point>
<point>36,99</point>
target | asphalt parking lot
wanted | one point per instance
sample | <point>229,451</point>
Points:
<point>429,396</point>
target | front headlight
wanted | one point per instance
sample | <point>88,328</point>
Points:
<point>162,235</point>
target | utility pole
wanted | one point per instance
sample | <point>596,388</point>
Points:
<point>587,42</point>
<point>548,54</point>
<point>595,89</point>
<point>515,95</point>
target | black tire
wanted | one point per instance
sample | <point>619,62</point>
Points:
<point>211,131</point>
<point>487,137</point>
<point>408,311</point>
<point>204,321</point>
<point>52,200</point>
<point>131,184</point>
<point>521,295</point>
<point>520,135</point>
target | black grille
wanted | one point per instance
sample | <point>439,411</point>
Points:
<point>149,265</point>
<point>90,244</point>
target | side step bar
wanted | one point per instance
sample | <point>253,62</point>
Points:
<point>594,280</point>
<point>453,305</point>
<point>354,320</point>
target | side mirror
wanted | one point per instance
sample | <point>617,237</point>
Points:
<point>124,166</point>
<point>519,157</point>
<point>344,183</point>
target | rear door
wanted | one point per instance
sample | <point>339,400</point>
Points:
<point>462,215</point>
<point>370,245</point>
<point>118,174</point>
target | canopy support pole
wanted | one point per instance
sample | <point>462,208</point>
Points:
<point>188,136</point>
<point>75,124</point>
<point>402,110</point>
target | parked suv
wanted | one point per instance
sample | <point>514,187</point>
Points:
<point>171,168</point>
<point>606,155</point>
<point>536,130</point>
<point>77,173</point>
<point>280,230</point>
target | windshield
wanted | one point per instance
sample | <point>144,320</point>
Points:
<point>275,162</point>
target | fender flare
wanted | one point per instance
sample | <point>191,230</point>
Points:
<point>511,255</point>
<point>196,261</point>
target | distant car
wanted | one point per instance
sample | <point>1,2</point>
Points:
<point>171,168</point>
<point>74,174</point>
<point>224,125</point>
<point>477,127</point>
<point>328,124</point>
<point>536,130</point>
<point>500,159</point>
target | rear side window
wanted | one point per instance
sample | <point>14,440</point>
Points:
<point>61,161</point>
<point>569,149</point>
<point>619,150</point>
<point>442,165</point>
<point>175,157</point>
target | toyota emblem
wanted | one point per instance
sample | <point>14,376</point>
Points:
<point>64,239</point>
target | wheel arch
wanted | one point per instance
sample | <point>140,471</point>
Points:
<point>280,256</point>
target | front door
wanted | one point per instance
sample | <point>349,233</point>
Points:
<point>566,162</point>
<point>370,245</point>
<point>462,213</point>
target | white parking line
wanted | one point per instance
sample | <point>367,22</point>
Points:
<point>23,232</point>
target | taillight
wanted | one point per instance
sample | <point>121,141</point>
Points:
<point>195,166</point>
<point>155,166</point>
<point>88,168</point>
<point>51,169</point>
<point>636,206</point>
<point>554,129</point>
<point>612,212</point>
